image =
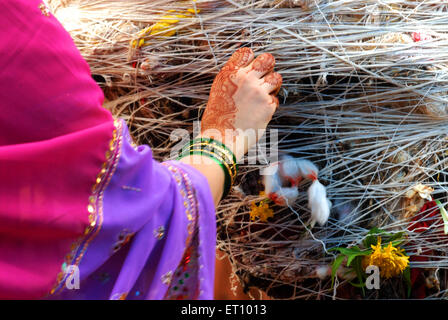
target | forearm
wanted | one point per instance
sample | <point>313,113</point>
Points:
<point>242,101</point>
<point>212,172</point>
<point>211,169</point>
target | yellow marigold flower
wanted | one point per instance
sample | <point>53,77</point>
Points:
<point>261,211</point>
<point>390,260</point>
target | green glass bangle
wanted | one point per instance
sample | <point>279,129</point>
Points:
<point>219,153</point>
<point>212,141</point>
<point>227,178</point>
<point>216,148</point>
<point>218,157</point>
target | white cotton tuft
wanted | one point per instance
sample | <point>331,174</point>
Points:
<point>323,272</point>
<point>271,179</point>
<point>288,167</point>
<point>273,183</point>
<point>307,169</point>
<point>318,203</point>
<point>294,170</point>
<point>286,196</point>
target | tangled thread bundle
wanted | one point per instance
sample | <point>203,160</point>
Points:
<point>364,99</point>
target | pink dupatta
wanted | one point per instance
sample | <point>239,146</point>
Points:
<point>54,149</point>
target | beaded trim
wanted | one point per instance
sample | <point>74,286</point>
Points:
<point>94,208</point>
<point>119,296</point>
<point>44,9</point>
<point>185,283</point>
<point>188,264</point>
<point>189,198</point>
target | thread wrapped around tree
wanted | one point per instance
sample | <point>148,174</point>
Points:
<point>364,98</point>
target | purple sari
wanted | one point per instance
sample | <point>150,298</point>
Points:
<point>157,239</point>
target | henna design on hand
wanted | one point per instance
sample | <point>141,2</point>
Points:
<point>239,59</point>
<point>273,82</point>
<point>263,64</point>
<point>221,109</point>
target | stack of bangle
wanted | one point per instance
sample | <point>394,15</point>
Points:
<point>217,151</point>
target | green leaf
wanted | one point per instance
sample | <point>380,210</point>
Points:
<point>376,231</point>
<point>350,259</point>
<point>357,285</point>
<point>348,251</point>
<point>396,236</point>
<point>360,273</point>
<point>357,254</point>
<point>372,237</point>
<point>444,216</point>
<point>352,253</point>
<point>369,241</point>
<point>397,243</point>
<point>407,279</point>
<point>336,264</point>
<point>340,249</point>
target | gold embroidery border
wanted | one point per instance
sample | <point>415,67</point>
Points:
<point>191,205</point>
<point>94,208</point>
<point>188,193</point>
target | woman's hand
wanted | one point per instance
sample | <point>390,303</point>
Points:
<point>242,100</point>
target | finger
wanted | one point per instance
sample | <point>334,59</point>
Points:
<point>274,101</point>
<point>272,82</point>
<point>239,59</point>
<point>262,65</point>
